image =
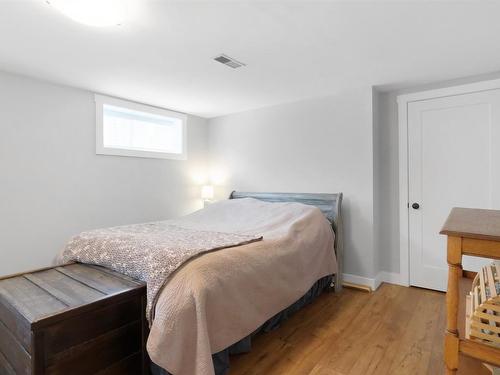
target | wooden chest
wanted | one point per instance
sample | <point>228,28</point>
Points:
<point>74,319</point>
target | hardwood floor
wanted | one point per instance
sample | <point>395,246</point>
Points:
<point>395,330</point>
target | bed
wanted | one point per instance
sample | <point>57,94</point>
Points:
<point>261,262</point>
<point>330,205</point>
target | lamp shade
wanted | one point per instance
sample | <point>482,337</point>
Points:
<point>207,192</point>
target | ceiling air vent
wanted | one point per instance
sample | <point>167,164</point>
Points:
<point>229,61</point>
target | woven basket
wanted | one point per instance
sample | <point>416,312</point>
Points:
<point>483,306</point>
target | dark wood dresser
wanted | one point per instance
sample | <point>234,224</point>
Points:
<point>74,319</point>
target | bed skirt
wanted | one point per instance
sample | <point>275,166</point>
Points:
<point>221,359</point>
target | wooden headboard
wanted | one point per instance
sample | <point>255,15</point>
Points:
<point>329,204</point>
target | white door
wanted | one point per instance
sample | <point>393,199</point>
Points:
<point>453,161</point>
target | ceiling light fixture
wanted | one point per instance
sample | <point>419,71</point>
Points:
<point>98,13</point>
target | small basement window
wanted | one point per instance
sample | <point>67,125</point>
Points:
<point>129,129</point>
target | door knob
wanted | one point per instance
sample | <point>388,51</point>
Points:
<point>415,206</point>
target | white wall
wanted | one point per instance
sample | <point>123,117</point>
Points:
<point>321,145</point>
<point>386,181</point>
<point>377,183</point>
<point>53,185</point>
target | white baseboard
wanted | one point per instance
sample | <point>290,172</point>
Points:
<point>359,280</point>
<point>383,276</point>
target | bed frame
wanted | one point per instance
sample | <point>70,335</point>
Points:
<point>329,204</point>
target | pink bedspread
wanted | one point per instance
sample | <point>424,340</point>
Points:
<point>215,300</point>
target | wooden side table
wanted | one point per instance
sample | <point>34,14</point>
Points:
<point>473,232</point>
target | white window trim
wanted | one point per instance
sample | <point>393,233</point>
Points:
<point>101,100</point>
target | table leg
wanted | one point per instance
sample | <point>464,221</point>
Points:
<point>451,342</point>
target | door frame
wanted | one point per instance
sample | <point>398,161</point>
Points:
<point>403,101</point>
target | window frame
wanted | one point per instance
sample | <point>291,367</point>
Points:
<point>101,100</point>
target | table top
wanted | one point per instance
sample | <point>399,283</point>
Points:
<point>473,223</point>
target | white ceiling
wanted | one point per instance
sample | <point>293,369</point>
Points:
<point>293,49</point>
